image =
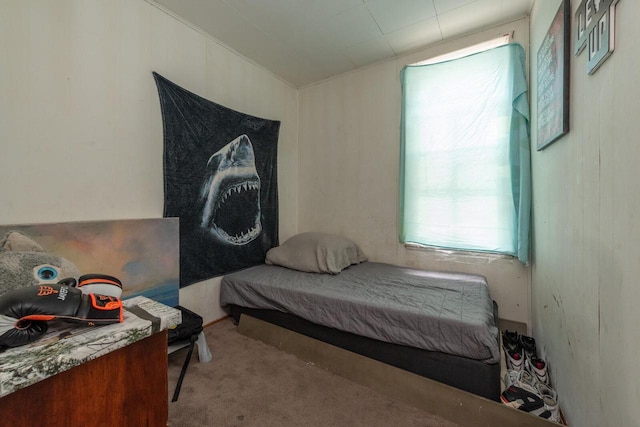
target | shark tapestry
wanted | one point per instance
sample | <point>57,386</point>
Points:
<point>220,179</point>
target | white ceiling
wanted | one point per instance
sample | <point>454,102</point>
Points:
<point>305,41</point>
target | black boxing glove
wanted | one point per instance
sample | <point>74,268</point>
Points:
<point>25,311</point>
<point>102,284</point>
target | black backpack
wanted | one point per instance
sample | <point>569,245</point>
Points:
<point>186,332</point>
<point>190,327</point>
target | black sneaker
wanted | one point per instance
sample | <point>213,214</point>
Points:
<point>510,340</point>
<point>522,399</point>
<point>528,345</point>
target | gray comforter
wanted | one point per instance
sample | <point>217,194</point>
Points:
<point>446,312</point>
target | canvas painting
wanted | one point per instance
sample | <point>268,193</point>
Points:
<point>143,254</point>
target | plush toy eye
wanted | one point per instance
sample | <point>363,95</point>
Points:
<point>47,273</point>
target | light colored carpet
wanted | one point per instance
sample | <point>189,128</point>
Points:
<point>249,383</point>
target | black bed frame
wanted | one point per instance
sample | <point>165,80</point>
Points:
<point>466,374</point>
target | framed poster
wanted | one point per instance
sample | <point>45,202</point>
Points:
<point>553,79</point>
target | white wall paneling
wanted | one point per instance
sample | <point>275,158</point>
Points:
<point>584,277</point>
<point>80,122</point>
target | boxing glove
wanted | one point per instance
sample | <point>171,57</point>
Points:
<point>24,312</point>
<point>102,284</point>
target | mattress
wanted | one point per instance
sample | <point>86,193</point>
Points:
<point>450,313</point>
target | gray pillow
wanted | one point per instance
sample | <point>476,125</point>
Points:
<point>316,253</point>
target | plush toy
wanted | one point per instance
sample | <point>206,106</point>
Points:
<point>23,262</point>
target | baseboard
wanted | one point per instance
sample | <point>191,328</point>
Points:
<point>447,402</point>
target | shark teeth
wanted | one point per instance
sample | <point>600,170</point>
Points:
<point>253,231</point>
<point>238,188</point>
<point>243,237</point>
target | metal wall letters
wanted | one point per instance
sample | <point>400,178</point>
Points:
<point>595,28</point>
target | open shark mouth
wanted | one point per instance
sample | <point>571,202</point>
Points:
<point>237,212</point>
<point>231,194</point>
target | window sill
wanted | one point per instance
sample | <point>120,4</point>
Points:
<point>460,254</point>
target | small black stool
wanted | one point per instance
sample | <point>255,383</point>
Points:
<point>185,334</point>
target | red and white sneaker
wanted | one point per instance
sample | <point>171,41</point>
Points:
<point>514,359</point>
<point>538,368</point>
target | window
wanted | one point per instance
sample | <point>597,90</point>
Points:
<point>465,160</point>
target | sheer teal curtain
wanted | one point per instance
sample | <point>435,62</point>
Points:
<point>465,160</point>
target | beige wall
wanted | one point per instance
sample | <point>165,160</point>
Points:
<point>80,123</point>
<point>81,139</point>
<point>349,157</point>
<point>585,288</point>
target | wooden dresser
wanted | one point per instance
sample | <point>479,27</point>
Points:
<point>118,378</point>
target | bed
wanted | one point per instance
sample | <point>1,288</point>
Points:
<point>438,325</point>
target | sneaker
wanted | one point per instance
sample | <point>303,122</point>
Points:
<point>528,345</point>
<point>510,378</point>
<point>527,381</point>
<point>551,414</point>
<point>538,368</point>
<point>522,379</point>
<point>512,350</point>
<point>550,400</point>
<point>522,399</point>
<point>510,340</point>
<point>514,360</point>
<point>545,391</point>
